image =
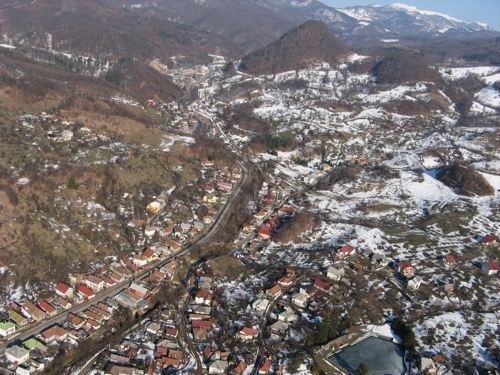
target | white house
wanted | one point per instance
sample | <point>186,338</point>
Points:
<point>300,299</point>
<point>288,316</point>
<point>414,283</point>
<point>17,354</point>
<point>7,328</point>
<point>218,367</point>
<point>260,305</point>
<point>335,273</point>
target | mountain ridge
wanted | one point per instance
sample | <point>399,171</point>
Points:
<point>310,42</point>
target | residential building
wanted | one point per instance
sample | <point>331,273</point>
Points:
<point>490,268</point>
<point>7,328</point>
<point>64,290</point>
<point>17,354</point>
<point>335,273</point>
<point>247,333</point>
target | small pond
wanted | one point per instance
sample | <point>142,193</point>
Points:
<point>381,356</point>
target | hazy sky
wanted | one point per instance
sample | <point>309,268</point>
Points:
<point>486,11</point>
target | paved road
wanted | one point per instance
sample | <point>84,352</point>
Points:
<point>110,292</point>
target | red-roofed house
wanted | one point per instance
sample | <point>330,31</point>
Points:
<point>265,366</point>
<point>489,239</point>
<point>449,260</point>
<point>85,292</point>
<point>247,333</point>
<point>275,291</point>
<point>171,332</point>
<point>54,333</point>
<point>345,251</point>
<point>405,268</point>
<point>45,306</point>
<point>64,290</point>
<point>490,268</point>
<point>322,285</point>
<point>202,323</point>
<point>203,297</point>
<point>265,232</point>
<point>150,255</point>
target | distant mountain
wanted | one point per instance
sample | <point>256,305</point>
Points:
<point>310,42</point>
<point>366,25</point>
<point>227,26</point>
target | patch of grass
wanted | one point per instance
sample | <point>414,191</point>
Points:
<point>383,207</point>
<point>226,266</point>
<point>448,222</point>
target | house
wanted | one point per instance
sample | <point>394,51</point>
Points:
<point>202,310</point>
<point>153,328</point>
<point>54,333</point>
<point>7,328</point>
<point>207,219</point>
<point>207,324</point>
<point>405,268</point>
<point>288,316</point>
<point>139,260</point>
<point>45,306</point>
<point>29,309</point>
<point>335,273</point>
<point>247,333</point>
<point>200,333</point>
<point>92,324</point>
<point>33,344</point>
<point>64,290</point>
<point>274,292</point>
<point>209,189</point>
<point>85,292</point>
<point>300,299</point>
<point>279,327</point>
<point>203,297</point>
<point>149,231</point>
<point>17,318</point>
<point>139,290</point>
<point>285,281</point>
<point>322,285</point>
<point>218,367</point>
<point>489,239</point>
<point>265,366</point>
<point>260,215</point>
<point>17,354</point>
<point>346,251</point>
<point>490,268</point>
<point>449,260</point>
<point>150,255</point>
<point>239,368</point>
<point>260,305</point>
<point>171,332</point>
<point>210,198</point>
<point>414,283</point>
<point>265,232</point>
<point>93,282</point>
<point>75,321</point>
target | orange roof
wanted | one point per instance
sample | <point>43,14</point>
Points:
<point>275,289</point>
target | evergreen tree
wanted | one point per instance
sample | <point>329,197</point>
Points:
<point>72,183</point>
<point>329,328</point>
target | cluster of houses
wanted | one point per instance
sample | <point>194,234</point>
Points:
<point>136,297</point>
<point>154,348</point>
<point>266,221</point>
